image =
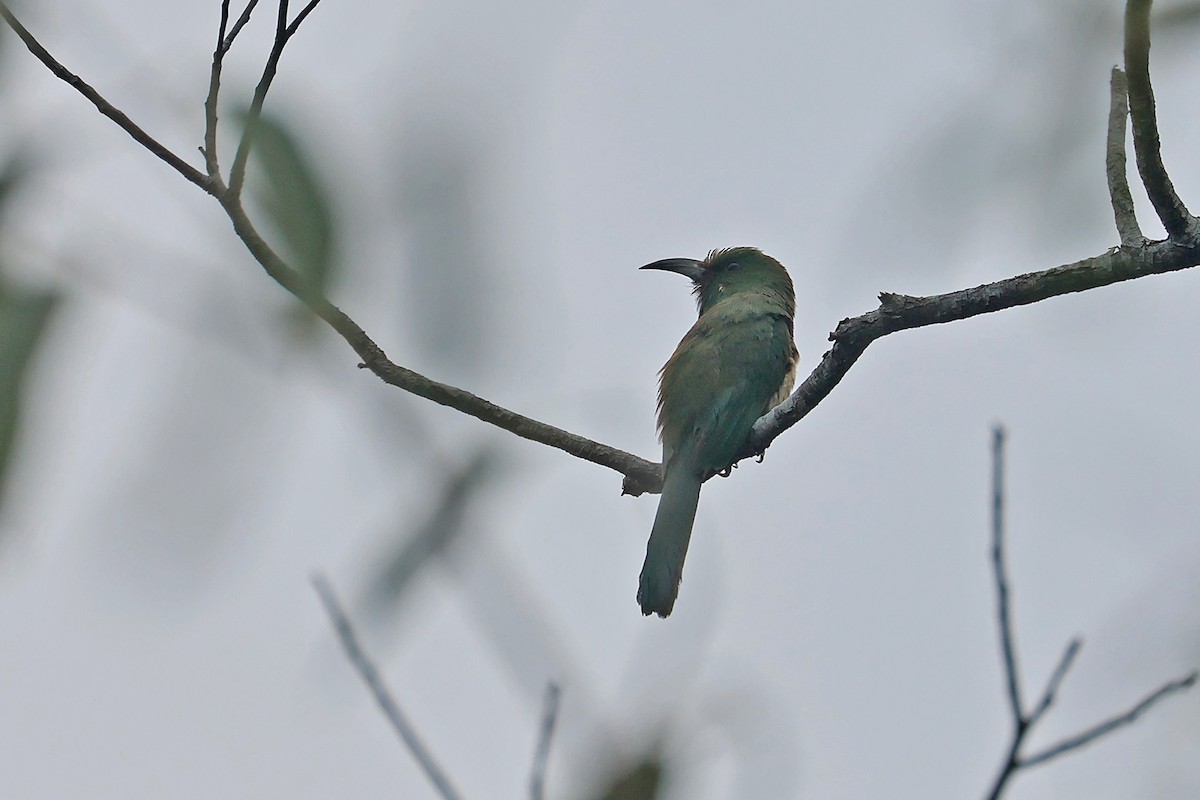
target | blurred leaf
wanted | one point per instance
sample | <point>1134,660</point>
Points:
<point>1181,16</point>
<point>439,531</point>
<point>295,199</point>
<point>642,782</point>
<point>24,314</point>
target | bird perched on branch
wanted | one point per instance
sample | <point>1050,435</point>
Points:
<point>736,363</point>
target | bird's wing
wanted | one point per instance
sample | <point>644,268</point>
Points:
<point>723,376</point>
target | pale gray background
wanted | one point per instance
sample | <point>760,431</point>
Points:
<point>501,170</point>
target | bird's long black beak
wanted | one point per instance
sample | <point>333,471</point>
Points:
<point>688,267</point>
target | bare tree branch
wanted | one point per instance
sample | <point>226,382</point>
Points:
<point>283,34</point>
<point>1003,615</point>
<point>1146,146</point>
<point>541,756</point>
<point>1004,623</point>
<point>370,675</point>
<point>241,23</point>
<point>224,43</point>
<point>1118,179</point>
<point>237,173</point>
<point>1111,724</point>
<point>103,106</point>
<point>1056,679</point>
<point>304,12</point>
<point>1023,723</point>
<point>899,312</point>
<point>640,472</point>
<point>209,148</point>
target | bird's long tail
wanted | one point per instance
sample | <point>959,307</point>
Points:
<point>658,585</point>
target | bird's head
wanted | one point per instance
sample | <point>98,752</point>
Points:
<point>732,271</point>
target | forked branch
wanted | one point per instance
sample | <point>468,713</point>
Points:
<point>1025,721</point>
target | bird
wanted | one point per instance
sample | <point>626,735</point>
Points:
<point>737,362</point>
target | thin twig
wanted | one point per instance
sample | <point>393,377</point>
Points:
<point>224,43</point>
<point>241,23</point>
<point>1146,145</point>
<point>283,34</point>
<point>1007,645</point>
<point>541,755</point>
<point>209,150</point>
<point>304,12</point>
<point>370,675</point>
<point>1007,770</point>
<point>1003,616</point>
<point>1056,679</point>
<point>639,471</point>
<point>1023,723</point>
<point>237,173</point>
<point>1115,164</point>
<point>1111,724</point>
<point>103,106</point>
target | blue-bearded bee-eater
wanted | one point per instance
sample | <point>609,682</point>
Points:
<point>736,363</point>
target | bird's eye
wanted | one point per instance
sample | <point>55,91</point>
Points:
<point>733,266</point>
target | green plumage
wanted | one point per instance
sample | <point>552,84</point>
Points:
<point>734,365</point>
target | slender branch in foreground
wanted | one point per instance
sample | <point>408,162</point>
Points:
<point>541,755</point>
<point>241,23</point>
<point>1023,723</point>
<point>1007,645</point>
<point>1056,678</point>
<point>1112,723</point>
<point>1003,615</point>
<point>103,106</point>
<point>1118,179</point>
<point>370,675</point>
<point>304,12</point>
<point>1146,145</point>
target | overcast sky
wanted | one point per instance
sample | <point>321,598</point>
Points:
<point>498,172</point>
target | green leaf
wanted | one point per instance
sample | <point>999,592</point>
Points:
<point>295,199</point>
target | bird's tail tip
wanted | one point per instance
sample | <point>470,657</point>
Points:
<point>656,599</point>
